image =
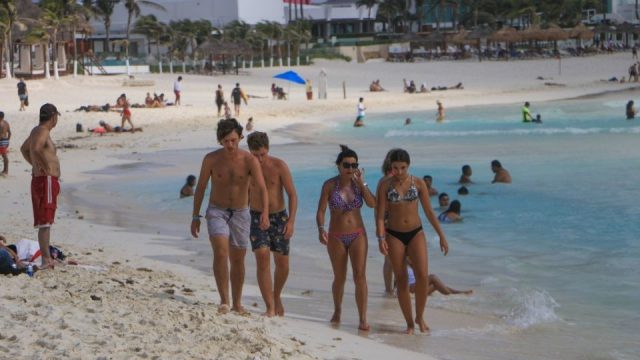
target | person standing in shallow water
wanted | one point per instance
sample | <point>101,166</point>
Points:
<point>231,170</point>
<point>276,238</point>
<point>346,239</point>
<point>402,234</point>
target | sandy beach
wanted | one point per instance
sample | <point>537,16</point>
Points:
<point>125,301</point>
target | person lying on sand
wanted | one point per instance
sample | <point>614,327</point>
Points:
<point>94,108</point>
<point>106,128</point>
<point>457,86</point>
<point>25,252</point>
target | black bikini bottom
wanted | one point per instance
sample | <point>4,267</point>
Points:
<point>404,236</point>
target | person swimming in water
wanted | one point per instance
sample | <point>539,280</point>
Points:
<point>346,238</point>
<point>452,214</point>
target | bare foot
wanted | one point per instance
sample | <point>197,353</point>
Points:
<point>468,292</point>
<point>240,310</point>
<point>364,326</point>
<point>423,325</point>
<point>389,294</point>
<point>335,319</point>
<point>269,313</point>
<point>279,307</point>
<point>3,174</point>
<point>409,330</point>
<point>47,265</point>
<point>223,309</point>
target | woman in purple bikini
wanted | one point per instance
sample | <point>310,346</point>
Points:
<point>346,238</point>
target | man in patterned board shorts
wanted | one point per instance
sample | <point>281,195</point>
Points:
<point>231,170</point>
<point>40,151</point>
<point>276,238</point>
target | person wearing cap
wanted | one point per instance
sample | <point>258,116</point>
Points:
<point>40,152</point>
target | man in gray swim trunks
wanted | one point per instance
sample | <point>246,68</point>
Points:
<point>228,220</point>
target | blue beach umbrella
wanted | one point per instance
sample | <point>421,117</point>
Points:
<point>291,76</point>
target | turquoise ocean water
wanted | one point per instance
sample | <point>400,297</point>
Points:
<point>553,258</point>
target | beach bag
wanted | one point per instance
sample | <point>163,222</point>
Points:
<point>26,101</point>
<point>78,127</point>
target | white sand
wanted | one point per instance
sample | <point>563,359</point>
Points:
<point>53,314</point>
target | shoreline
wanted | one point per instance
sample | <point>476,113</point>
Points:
<point>192,127</point>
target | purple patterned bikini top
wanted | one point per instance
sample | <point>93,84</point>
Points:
<point>336,202</point>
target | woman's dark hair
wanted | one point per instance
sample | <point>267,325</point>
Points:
<point>345,153</point>
<point>454,207</point>
<point>443,194</point>
<point>190,179</point>
<point>386,164</point>
<point>399,155</point>
<point>227,126</point>
<point>463,190</point>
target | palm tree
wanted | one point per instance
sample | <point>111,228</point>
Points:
<point>78,19</point>
<point>133,10</point>
<point>369,4</point>
<point>148,26</point>
<point>11,19</point>
<point>273,31</point>
<point>103,9</point>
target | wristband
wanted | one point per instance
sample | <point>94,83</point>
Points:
<point>380,238</point>
<point>197,217</point>
<point>321,228</point>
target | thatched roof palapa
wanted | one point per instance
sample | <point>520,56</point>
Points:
<point>506,34</point>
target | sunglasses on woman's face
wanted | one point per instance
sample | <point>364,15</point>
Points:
<point>346,165</point>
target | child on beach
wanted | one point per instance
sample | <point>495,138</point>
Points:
<point>5,136</point>
<point>440,114</point>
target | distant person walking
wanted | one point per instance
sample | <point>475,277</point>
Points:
<point>40,152</point>
<point>23,94</point>
<point>5,136</point>
<point>177,89</point>
<point>237,96</point>
<point>219,99</point>
<point>634,52</point>
<point>361,113</point>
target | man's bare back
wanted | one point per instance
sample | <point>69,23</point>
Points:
<point>40,151</point>
<point>5,129</point>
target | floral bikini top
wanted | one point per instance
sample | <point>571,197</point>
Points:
<point>337,202</point>
<point>394,196</point>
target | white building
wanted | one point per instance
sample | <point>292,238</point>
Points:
<point>218,12</point>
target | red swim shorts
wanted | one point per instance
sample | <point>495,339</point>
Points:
<point>44,195</point>
<point>4,150</point>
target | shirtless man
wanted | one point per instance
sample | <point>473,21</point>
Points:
<point>5,136</point>
<point>502,175</point>
<point>278,180</point>
<point>40,152</point>
<point>228,219</point>
<point>465,177</point>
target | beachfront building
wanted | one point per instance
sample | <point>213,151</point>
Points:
<point>218,12</point>
<point>339,18</point>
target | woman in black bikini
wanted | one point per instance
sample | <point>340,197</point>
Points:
<point>403,236</point>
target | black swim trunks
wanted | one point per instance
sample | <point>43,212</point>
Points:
<point>273,237</point>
